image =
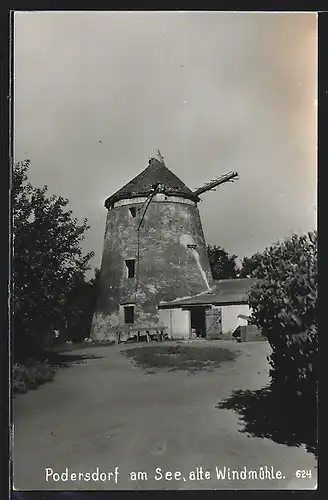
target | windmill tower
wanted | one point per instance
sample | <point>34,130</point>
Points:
<point>154,249</point>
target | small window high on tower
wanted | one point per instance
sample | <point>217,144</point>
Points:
<point>130,268</point>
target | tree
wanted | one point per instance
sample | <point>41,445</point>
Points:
<point>252,267</point>
<point>47,260</point>
<point>222,264</point>
<point>285,308</point>
<point>79,307</point>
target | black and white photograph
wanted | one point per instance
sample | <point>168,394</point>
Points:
<point>164,329</point>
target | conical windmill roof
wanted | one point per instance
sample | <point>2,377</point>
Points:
<point>143,184</point>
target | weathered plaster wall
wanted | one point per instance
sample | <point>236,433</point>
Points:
<point>229,316</point>
<point>168,268</point>
<point>181,324</point>
<point>241,321</point>
<point>165,319</point>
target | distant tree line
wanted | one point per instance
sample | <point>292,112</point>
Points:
<point>225,266</point>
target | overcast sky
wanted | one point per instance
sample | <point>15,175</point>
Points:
<point>213,91</point>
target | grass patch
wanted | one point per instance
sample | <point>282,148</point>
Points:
<point>185,358</point>
<point>31,375</point>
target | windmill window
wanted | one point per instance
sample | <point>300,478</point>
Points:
<point>128,315</point>
<point>130,268</point>
<point>133,211</point>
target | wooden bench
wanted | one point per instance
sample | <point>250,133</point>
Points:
<point>149,332</point>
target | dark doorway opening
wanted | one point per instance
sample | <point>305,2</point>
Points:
<point>128,315</point>
<point>198,321</point>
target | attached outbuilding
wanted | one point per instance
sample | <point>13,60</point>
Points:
<point>210,315</point>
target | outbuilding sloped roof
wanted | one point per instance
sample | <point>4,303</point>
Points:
<point>224,292</point>
<point>143,184</point>
<point>244,316</point>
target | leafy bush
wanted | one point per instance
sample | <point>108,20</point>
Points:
<point>285,308</point>
<point>31,375</point>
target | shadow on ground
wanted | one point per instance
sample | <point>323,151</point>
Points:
<point>59,359</point>
<point>63,360</point>
<point>266,413</point>
<point>186,358</point>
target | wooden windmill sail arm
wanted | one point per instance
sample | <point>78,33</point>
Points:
<point>216,182</point>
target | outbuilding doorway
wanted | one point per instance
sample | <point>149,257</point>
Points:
<point>198,321</point>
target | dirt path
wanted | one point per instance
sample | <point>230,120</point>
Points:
<point>107,413</point>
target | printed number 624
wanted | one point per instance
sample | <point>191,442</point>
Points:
<point>303,474</point>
